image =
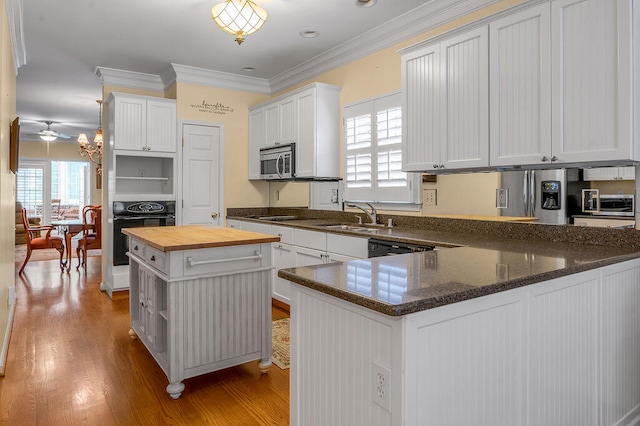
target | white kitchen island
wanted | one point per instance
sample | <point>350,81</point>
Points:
<point>529,333</point>
<point>200,298</point>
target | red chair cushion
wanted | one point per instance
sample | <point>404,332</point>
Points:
<point>42,242</point>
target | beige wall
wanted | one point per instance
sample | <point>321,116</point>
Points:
<point>238,190</point>
<point>7,179</point>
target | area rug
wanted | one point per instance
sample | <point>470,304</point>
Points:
<point>280,343</point>
<point>21,253</point>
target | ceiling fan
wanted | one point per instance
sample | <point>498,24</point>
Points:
<point>49,134</point>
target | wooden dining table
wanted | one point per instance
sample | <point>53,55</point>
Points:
<point>70,228</point>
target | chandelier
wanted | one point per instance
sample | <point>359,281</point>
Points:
<point>239,17</point>
<point>93,152</point>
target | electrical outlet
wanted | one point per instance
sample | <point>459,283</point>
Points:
<point>430,197</point>
<point>502,198</point>
<point>381,383</point>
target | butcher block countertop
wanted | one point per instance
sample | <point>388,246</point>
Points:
<point>190,237</point>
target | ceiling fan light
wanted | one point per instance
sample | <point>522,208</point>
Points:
<point>48,138</point>
<point>239,17</point>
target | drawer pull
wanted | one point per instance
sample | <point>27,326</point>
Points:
<point>192,263</point>
<point>135,248</point>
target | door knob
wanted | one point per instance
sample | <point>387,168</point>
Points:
<point>214,215</point>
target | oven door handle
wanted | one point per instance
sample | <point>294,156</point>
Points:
<point>129,218</point>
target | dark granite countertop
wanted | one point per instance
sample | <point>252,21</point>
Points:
<point>475,259</point>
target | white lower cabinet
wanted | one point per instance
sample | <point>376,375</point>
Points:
<point>303,247</point>
<point>560,352</point>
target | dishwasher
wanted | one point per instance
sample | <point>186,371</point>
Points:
<point>379,248</point>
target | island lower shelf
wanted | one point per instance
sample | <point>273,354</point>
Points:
<point>203,317</point>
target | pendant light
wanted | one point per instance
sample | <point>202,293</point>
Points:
<point>239,17</point>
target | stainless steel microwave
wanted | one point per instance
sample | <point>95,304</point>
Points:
<point>606,204</point>
<point>278,162</point>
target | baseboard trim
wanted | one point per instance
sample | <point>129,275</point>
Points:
<point>7,337</point>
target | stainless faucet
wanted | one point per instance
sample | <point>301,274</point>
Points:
<point>373,216</point>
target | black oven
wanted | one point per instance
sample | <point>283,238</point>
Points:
<point>137,214</point>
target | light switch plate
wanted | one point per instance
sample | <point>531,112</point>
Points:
<point>502,198</point>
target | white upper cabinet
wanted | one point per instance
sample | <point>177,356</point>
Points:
<point>446,104</point>
<point>560,82</point>
<point>610,173</point>
<point>308,117</point>
<point>143,123</point>
<point>520,86</point>
<point>257,140</point>
<point>591,65</point>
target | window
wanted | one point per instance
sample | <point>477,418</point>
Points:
<point>373,153</point>
<point>53,189</point>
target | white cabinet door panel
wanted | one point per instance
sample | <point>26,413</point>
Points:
<point>520,87</point>
<point>591,77</point>
<point>161,126</point>
<point>257,140</point>
<point>423,114</point>
<point>130,125</point>
<point>287,120</point>
<point>283,257</point>
<point>465,61</point>
<point>272,124</point>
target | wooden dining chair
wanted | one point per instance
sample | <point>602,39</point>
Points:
<point>91,236</point>
<point>36,242</point>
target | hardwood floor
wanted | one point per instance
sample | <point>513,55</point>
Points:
<point>71,361</point>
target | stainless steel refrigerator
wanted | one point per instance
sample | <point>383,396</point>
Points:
<point>552,196</point>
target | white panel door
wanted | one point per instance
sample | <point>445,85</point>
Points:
<point>422,112</point>
<point>563,351</point>
<point>161,126</point>
<point>282,257</point>
<point>202,175</point>
<point>306,142</point>
<point>130,128</point>
<point>287,111</point>
<point>257,140</point>
<point>272,124</point>
<point>591,78</point>
<point>520,87</point>
<point>465,73</point>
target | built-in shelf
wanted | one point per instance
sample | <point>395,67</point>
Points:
<point>141,178</point>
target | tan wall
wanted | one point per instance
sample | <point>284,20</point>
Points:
<point>7,178</point>
<point>472,194</point>
<point>238,190</point>
<point>60,151</point>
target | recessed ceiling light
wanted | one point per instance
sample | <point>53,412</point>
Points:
<point>248,69</point>
<point>309,34</point>
<point>365,3</point>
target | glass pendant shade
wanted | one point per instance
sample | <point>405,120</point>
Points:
<point>82,140</point>
<point>98,138</point>
<point>239,17</point>
<point>48,138</point>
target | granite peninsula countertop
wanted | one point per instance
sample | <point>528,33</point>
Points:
<point>466,265</point>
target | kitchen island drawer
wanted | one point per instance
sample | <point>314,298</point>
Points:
<point>137,247</point>
<point>156,259</point>
<point>311,239</point>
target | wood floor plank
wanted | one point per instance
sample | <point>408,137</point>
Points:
<point>71,361</point>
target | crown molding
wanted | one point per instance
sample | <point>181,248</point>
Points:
<point>206,77</point>
<point>411,24</point>
<point>16,33</point>
<point>135,80</point>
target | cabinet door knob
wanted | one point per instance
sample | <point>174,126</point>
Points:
<point>214,215</point>
<point>554,158</point>
<point>544,158</point>
<point>135,248</point>
<point>435,166</point>
<point>153,258</point>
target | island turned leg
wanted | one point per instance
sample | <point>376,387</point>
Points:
<point>133,334</point>
<point>264,364</point>
<point>175,389</point>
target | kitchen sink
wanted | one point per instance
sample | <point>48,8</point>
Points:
<point>353,228</point>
